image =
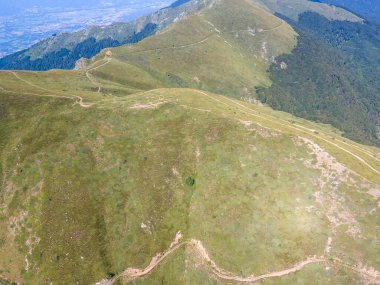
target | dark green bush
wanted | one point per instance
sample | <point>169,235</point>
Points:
<point>190,181</point>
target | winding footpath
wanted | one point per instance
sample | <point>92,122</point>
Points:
<point>131,274</point>
<point>72,97</point>
<point>239,106</point>
<point>92,79</point>
<point>196,245</point>
<point>226,275</point>
<point>216,33</point>
<point>96,83</point>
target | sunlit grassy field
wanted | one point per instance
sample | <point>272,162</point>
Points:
<point>100,168</point>
<point>93,190</point>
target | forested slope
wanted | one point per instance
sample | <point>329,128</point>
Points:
<point>331,76</point>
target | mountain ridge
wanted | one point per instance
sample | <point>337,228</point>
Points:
<point>367,8</point>
<point>64,50</point>
<point>101,167</point>
<point>330,76</point>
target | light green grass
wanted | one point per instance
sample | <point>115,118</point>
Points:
<point>108,169</point>
<point>214,50</point>
<point>92,191</point>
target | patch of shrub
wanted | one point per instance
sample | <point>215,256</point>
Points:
<point>190,181</point>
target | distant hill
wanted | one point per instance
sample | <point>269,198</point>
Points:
<point>294,8</point>
<point>226,50</point>
<point>331,76</point>
<point>325,70</point>
<point>369,9</point>
<point>178,3</point>
<point>63,50</point>
<point>333,56</point>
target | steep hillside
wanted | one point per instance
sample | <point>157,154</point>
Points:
<point>62,51</point>
<point>225,48</point>
<point>331,76</point>
<point>131,171</point>
<point>90,189</point>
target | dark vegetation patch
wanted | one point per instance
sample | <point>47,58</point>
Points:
<point>190,181</point>
<point>331,76</point>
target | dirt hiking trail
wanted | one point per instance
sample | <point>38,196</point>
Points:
<point>91,77</point>
<point>54,93</point>
<point>131,273</point>
<point>244,109</point>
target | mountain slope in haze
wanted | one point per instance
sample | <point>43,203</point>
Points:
<point>63,50</point>
<point>294,8</point>
<point>367,8</point>
<point>114,174</point>
<point>31,23</point>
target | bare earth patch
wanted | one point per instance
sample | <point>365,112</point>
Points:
<point>259,129</point>
<point>333,174</point>
<point>150,105</point>
<point>375,192</point>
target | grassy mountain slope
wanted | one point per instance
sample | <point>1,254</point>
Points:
<point>100,168</point>
<point>62,51</point>
<point>225,49</point>
<point>90,191</point>
<point>327,78</point>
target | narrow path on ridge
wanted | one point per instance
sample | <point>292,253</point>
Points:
<point>91,77</point>
<point>295,127</point>
<point>72,97</point>
<point>96,83</point>
<point>258,30</point>
<point>207,38</point>
<point>241,107</point>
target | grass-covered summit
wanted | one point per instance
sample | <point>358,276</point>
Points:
<point>321,68</point>
<point>102,169</point>
<point>225,48</point>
